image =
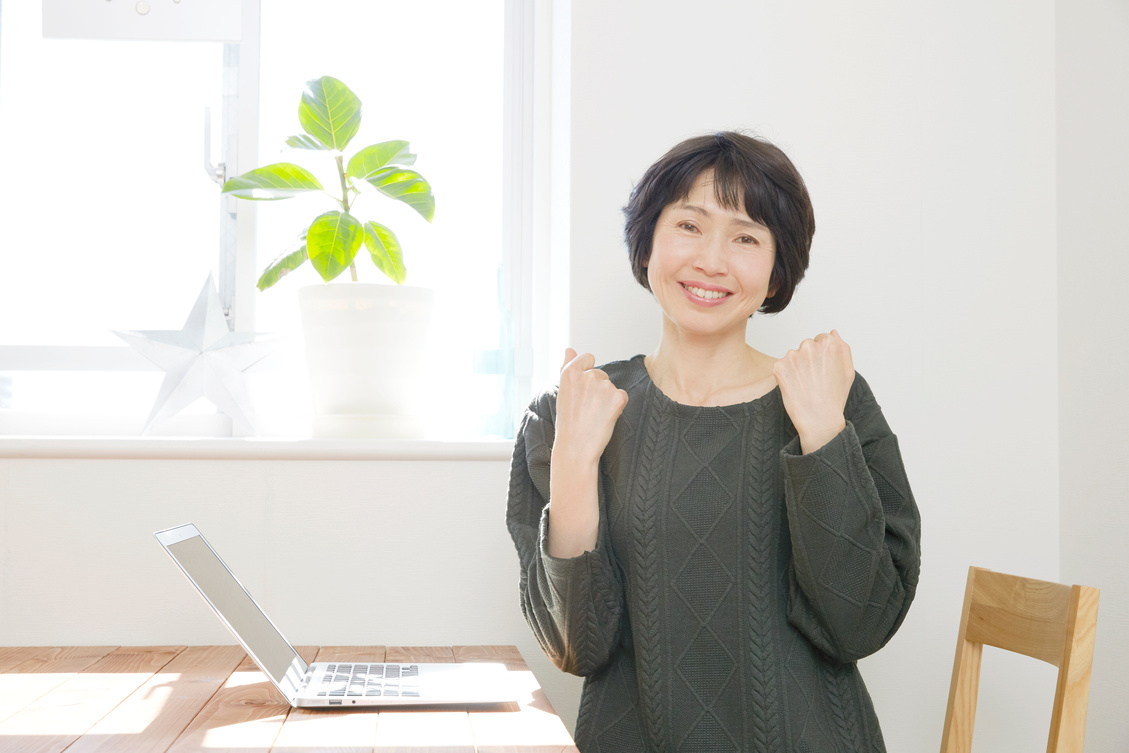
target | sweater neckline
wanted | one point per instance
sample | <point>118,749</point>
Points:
<point>665,403</point>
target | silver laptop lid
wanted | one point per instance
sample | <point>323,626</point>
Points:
<point>235,607</point>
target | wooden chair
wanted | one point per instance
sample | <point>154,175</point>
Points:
<point>1047,621</point>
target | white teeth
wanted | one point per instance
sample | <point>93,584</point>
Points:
<point>707,294</point>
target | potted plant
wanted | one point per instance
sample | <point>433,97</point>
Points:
<point>363,341</point>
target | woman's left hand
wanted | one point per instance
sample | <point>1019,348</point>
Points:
<point>815,380</point>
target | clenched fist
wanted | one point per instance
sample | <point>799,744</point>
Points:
<point>588,405</point>
<point>815,380</point>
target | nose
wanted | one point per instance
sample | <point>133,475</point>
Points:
<point>711,258</point>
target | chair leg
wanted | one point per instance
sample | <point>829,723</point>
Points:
<point>960,716</point>
<point>1072,694</point>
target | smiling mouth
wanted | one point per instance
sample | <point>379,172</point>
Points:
<point>709,295</point>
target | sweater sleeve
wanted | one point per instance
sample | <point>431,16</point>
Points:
<point>856,535</point>
<point>575,605</point>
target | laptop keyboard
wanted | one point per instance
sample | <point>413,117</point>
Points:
<point>360,680</point>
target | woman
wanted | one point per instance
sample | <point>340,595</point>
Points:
<point>728,532</point>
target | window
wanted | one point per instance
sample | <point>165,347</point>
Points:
<point>113,222</point>
<point>101,141</point>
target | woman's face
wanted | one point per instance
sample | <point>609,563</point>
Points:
<point>710,266</point>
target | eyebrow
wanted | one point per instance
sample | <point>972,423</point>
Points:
<point>736,220</point>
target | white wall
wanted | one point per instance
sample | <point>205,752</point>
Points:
<point>80,564</point>
<point>1093,202</point>
<point>927,135</point>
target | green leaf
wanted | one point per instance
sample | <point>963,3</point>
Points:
<point>304,141</point>
<point>407,186</point>
<point>283,265</point>
<point>332,241</point>
<point>370,159</point>
<point>273,182</point>
<point>384,248</point>
<point>330,112</point>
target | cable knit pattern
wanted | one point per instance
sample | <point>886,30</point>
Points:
<point>761,531</point>
<point>734,581</point>
<point>841,703</point>
<point>648,572</point>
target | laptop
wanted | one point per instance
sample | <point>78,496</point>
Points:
<point>325,684</point>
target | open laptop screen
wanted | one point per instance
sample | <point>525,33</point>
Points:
<point>230,601</point>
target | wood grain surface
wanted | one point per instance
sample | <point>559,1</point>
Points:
<point>177,699</point>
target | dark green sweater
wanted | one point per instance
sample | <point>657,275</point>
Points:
<point>734,582</point>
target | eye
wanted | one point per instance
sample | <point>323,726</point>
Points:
<point>748,239</point>
<point>688,226</point>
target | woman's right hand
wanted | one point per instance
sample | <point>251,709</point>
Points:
<point>588,405</point>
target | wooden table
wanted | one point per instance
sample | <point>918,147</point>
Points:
<point>213,698</point>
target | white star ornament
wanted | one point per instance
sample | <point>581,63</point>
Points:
<point>203,359</point>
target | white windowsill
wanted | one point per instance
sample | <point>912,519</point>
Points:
<point>208,448</point>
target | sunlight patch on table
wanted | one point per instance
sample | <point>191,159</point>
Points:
<point>250,734</point>
<point>73,706</point>
<point>243,679</point>
<point>142,714</point>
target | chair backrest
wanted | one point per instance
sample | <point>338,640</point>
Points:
<point>1047,621</point>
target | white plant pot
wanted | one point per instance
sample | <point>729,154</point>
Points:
<point>366,346</point>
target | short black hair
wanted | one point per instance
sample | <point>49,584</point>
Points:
<point>744,169</point>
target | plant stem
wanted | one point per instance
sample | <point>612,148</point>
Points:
<point>345,205</point>
<point>344,185</point>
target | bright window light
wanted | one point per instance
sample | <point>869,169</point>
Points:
<point>431,74</point>
<point>112,223</point>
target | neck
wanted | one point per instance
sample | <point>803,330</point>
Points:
<point>699,371</point>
